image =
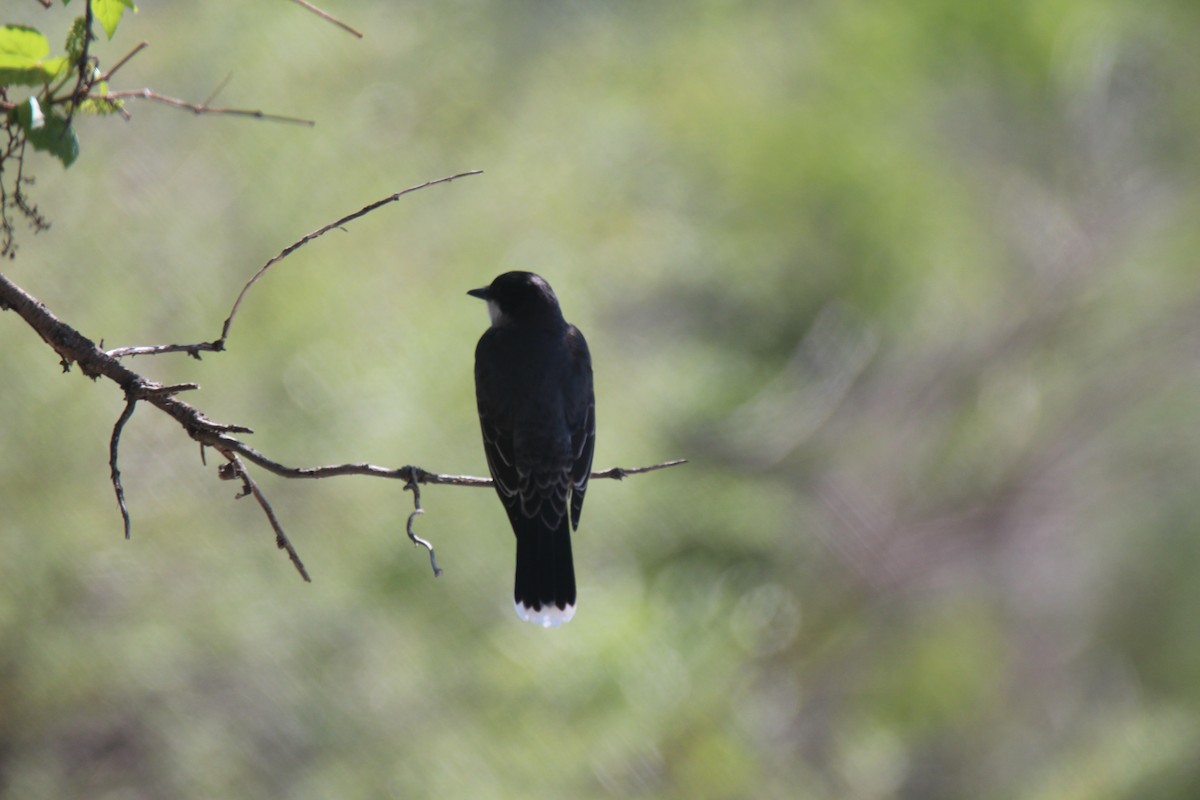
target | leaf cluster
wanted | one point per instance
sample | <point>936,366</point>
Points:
<point>39,100</point>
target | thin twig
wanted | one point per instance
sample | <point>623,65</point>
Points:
<point>327,17</point>
<point>122,61</point>
<point>150,94</point>
<point>217,90</point>
<point>172,388</point>
<point>113,444</point>
<point>192,350</point>
<point>250,487</point>
<point>414,476</point>
<point>617,473</point>
<point>294,246</point>
<point>417,511</point>
<point>218,346</point>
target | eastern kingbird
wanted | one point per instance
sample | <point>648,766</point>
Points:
<point>533,386</point>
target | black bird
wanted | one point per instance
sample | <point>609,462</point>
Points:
<point>533,386</point>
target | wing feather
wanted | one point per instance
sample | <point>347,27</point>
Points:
<point>581,418</point>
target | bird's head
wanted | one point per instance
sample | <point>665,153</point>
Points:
<point>519,297</point>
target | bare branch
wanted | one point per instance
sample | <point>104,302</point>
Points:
<point>238,469</point>
<point>150,94</point>
<point>408,473</point>
<point>82,84</point>
<point>192,350</point>
<point>113,444</point>
<point>73,347</point>
<point>173,388</point>
<point>417,511</point>
<point>294,246</point>
<point>327,17</point>
<point>218,346</point>
<point>617,473</point>
<point>220,86</point>
<point>123,60</point>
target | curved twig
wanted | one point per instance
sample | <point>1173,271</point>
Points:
<point>324,229</point>
<point>113,444</point>
<point>418,511</point>
<point>218,345</point>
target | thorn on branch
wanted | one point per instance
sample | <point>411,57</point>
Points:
<point>415,488</point>
<point>113,444</point>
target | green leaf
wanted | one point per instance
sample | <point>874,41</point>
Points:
<point>23,57</point>
<point>48,132</point>
<point>109,12</point>
<point>100,106</point>
<point>57,139</point>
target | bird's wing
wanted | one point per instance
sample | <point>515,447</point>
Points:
<point>497,430</point>
<point>497,446</point>
<point>581,418</point>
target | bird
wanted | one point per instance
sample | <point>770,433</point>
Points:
<point>537,412</point>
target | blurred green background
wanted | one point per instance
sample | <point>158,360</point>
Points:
<point>912,284</point>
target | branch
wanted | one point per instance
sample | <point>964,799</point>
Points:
<point>617,473</point>
<point>327,17</point>
<point>296,245</point>
<point>114,442</point>
<point>150,94</point>
<point>417,511</point>
<point>73,347</point>
<point>218,345</point>
<point>236,469</point>
<point>192,350</point>
<point>123,61</point>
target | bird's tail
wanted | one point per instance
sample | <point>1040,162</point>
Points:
<point>544,591</point>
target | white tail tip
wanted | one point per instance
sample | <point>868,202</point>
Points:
<point>546,616</point>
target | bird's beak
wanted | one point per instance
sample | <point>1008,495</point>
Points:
<point>482,294</point>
